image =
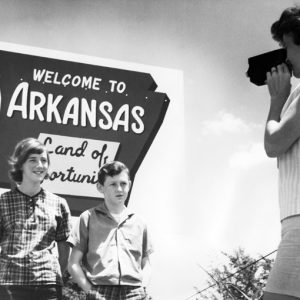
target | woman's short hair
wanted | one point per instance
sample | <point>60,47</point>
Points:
<point>21,153</point>
<point>288,23</point>
<point>111,169</point>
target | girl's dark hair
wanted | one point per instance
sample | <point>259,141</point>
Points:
<point>288,23</point>
<point>111,169</point>
<point>21,153</point>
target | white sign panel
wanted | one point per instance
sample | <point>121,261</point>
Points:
<point>75,162</point>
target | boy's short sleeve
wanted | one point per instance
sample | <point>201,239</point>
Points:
<point>147,243</point>
<point>79,234</point>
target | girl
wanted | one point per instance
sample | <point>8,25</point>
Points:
<point>32,222</point>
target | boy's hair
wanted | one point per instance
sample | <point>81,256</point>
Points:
<point>111,169</point>
<point>288,23</point>
<point>21,153</point>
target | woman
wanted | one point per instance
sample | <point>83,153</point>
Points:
<point>282,140</point>
<point>32,222</point>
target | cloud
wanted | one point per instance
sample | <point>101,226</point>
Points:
<point>225,122</point>
<point>248,156</point>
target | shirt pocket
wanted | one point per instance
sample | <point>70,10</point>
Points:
<point>133,242</point>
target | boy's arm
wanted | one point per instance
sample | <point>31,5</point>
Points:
<point>63,249</point>
<point>146,267</point>
<point>75,270</point>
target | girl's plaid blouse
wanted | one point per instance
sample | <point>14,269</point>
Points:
<point>29,227</point>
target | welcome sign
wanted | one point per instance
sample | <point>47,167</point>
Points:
<point>86,115</point>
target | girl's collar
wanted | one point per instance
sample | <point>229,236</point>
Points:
<point>30,196</point>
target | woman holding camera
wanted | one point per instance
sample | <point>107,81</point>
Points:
<point>282,141</point>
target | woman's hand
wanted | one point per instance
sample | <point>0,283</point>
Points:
<point>279,83</point>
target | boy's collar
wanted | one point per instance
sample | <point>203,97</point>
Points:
<point>102,208</point>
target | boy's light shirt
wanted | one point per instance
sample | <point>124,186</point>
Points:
<point>110,246</point>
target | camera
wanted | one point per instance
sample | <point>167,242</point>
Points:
<point>259,65</point>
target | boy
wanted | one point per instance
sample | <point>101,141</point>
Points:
<point>111,246</point>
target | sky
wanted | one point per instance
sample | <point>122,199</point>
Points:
<point>216,190</point>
